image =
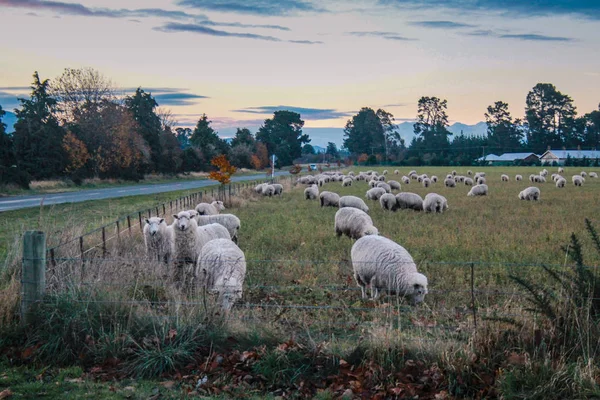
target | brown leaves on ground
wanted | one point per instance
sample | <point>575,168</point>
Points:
<point>5,394</point>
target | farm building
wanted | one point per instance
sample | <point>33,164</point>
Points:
<point>509,158</point>
<point>560,156</point>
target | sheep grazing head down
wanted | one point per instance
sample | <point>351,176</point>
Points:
<point>370,230</point>
<point>154,224</point>
<point>418,288</point>
<point>182,220</point>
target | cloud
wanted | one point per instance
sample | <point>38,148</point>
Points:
<point>203,30</point>
<point>177,99</point>
<point>589,9</point>
<point>531,37</point>
<point>384,35</point>
<point>306,113</point>
<point>441,24</point>
<point>305,41</point>
<point>395,105</point>
<point>256,7</point>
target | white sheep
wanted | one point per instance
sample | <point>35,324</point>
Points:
<point>321,182</point>
<point>221,269</point>
<point>407,200</point>
<point>396,172</point>
<point>229,221</point>
<point>561,170</point>
<point>454,173</point>
<point>329,199</point>
<point>209,232</point>
<point>373,183</point>
<point>561,182</point>
<point>385,186</point>
<point>278,188</point>
<point>434,179</point>
<point>469,172</point>
<point>388,202</point>
<point>375,193</point>
<point>544,173</point>
<point>385,172</point>
<point>478,190</point>
<point>259,188</point>
<point>353,201</point>
<point>577,180</point>
<point>469,182</point>
<point>449,182</point>
<point>531,193</point>
<point>504,178</point>
<point>405,180</point>
<point>394,185</point>
<point>435,203</point>
<point>381,178</point>
<point>311,192</point>
<point>353,223</point>
<point>268,190</point>
<point>347,182</point>
<point>158,238</point>
<point>210,209</point>
<point>583,174</point>
<point>380,263</point>
<point>518,178</point>
<point>185,232</point>
<point>593,175</point>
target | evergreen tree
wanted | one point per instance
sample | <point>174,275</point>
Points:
<point>283,136</point>
<point>308,149</point>
<point>38,136</point>
<point>332,150</point>
<point>592,129</point>
<point>205,139</point>
<point>243,136</point>
<point>504,133</point>
<point>365,133</point>
<point>183,136</point>
<point>142,105</point>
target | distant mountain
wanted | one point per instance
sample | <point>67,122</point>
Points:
<point>407,130</point>
<point>319,149</point>
<point>9,120</point>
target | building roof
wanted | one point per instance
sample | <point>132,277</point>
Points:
<point>562,154</point>
<point>507,157</point>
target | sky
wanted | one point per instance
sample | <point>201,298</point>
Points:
<point>240,60</point>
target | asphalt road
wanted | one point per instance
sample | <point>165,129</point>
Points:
<point>18,202</point>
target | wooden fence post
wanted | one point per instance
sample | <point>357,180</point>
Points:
<point>140,217</point>
<point>129,224</point>
<point>103,241</point>
<point>33,283</point>
<point>473,295</point>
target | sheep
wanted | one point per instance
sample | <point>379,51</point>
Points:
<point>426,182</point>
<point>518,178</point>
<point>354,202</point>
<point>544,172</point>
<point>478,190</point>
<point>353,223</point>
<point>540,179</point>
<point>469,182</point>
<point>381,178</point>
<point>413,176</point>
<point>229,221</point>
<point>209,232</point>
<point>469,172</point>
<point>593,175</point>
<point>454,173</point>
<point>380,263</point>
<point>504,178</point>
<point>321,182</point>
<point>351,173</point>
<point>278,189</point>
<point>311,192</point>
<point>268,190</point>
<point>578,180</point>
<point>405,180</point>
<point>210,209</point>
<point>259,188</point>
<point>421,177</point>
<point>532,178</point>
<point>158,238</point>
<point>373,183</point>
<point>481,180</point>
<point>561,182</point>
<point>394,185</point>
<point>396,172</point>
<point>183,246</point>
<point>221,269</point>
<point>329,199</point>
<point>450,182</point>
<point>561,170</point>
<point>407,200</point>
<point>412,172</point>
<point>385,172</point>
<point>347,182</point>
<point>434,179</point>
<point>435,203</point>
<point>531,193</point>
<point>385,186</point>
<point>388,202</point>
<point>583,174</point>
<point>375,193</point>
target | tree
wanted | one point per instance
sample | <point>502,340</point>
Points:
<point>243,136</point>
<point>223,174</point>
<point>9,173</point>
<point>262,156</point>
<point>149,126</point>
<point>364,132</point>
<point>504,133</point>
<point>205,138</point>
<point>283,136</point>
<point>550,117</point>
<point>592,129</point>
<point>183,136</point>
<point>308,149</point>
<point>432,121</point>
<point>332,150</point>
<point>241,156</point>
<point>38,136</point>
<point>76,152</point>
<point>170,159</point>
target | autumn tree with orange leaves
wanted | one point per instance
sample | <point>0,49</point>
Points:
<point>76,151</point>
<point>225,171</point>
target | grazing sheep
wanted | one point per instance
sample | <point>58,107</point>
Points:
<point>311,192</point>
<point>434,179</point>
<point>540,179</point>
<point>407,200</point>
<point>450,182</point>
<point>347,182</point>
<point>354,202</point>
<point>478,190</point>
<point>221,269</point>
<point>583,174</point>
<point>209,232</point>
<point>421,177</point>
<point>454,173</point>
<point>210,209</point>
<point>394,185</point>
<point>469,182</point>
<point>469,172</point>
<point>385,186</point>
<point>321,182</point>
<point>531,193</point>
<point>518,178</point>
<point>405,180</point>
<point>435,203</point>
<point>278,189</point>
<point>268,190</point>
<point>158,238</point>
<point>385,172</point>
<point>593,175</point>
<point>373,183</point>
<point>229,221</point>
<point>578,180</point>
<point>561,170</point>
<point>375,193</point>
<point>259,188</point>
<point>380,263</point>
<point>388,202</point>
<point>381,178</point>
<point>561,182</point>
<point>544,172</point>
<point>396,172</point>
<point>412,172</point>
<point>413,176</point>
<point>329,199</point>
<point>353,223</point>
<point>481,180</point>
<point>426,182</point>
<point>504,178</point>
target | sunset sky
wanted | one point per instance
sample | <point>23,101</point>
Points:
<point>239,60</point>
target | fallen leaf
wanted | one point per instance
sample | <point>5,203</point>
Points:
<point>168,384</point>
<point>5,394</point>
<point>74,380</point>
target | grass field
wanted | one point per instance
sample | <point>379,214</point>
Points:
<point>299,282</point>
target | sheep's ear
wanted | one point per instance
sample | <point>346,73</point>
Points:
<point>175,216</point>
<point>147,221</point>
<point>161,221</point>
<point>193,213</point>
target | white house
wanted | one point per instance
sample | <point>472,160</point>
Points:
<point>560,156</point>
